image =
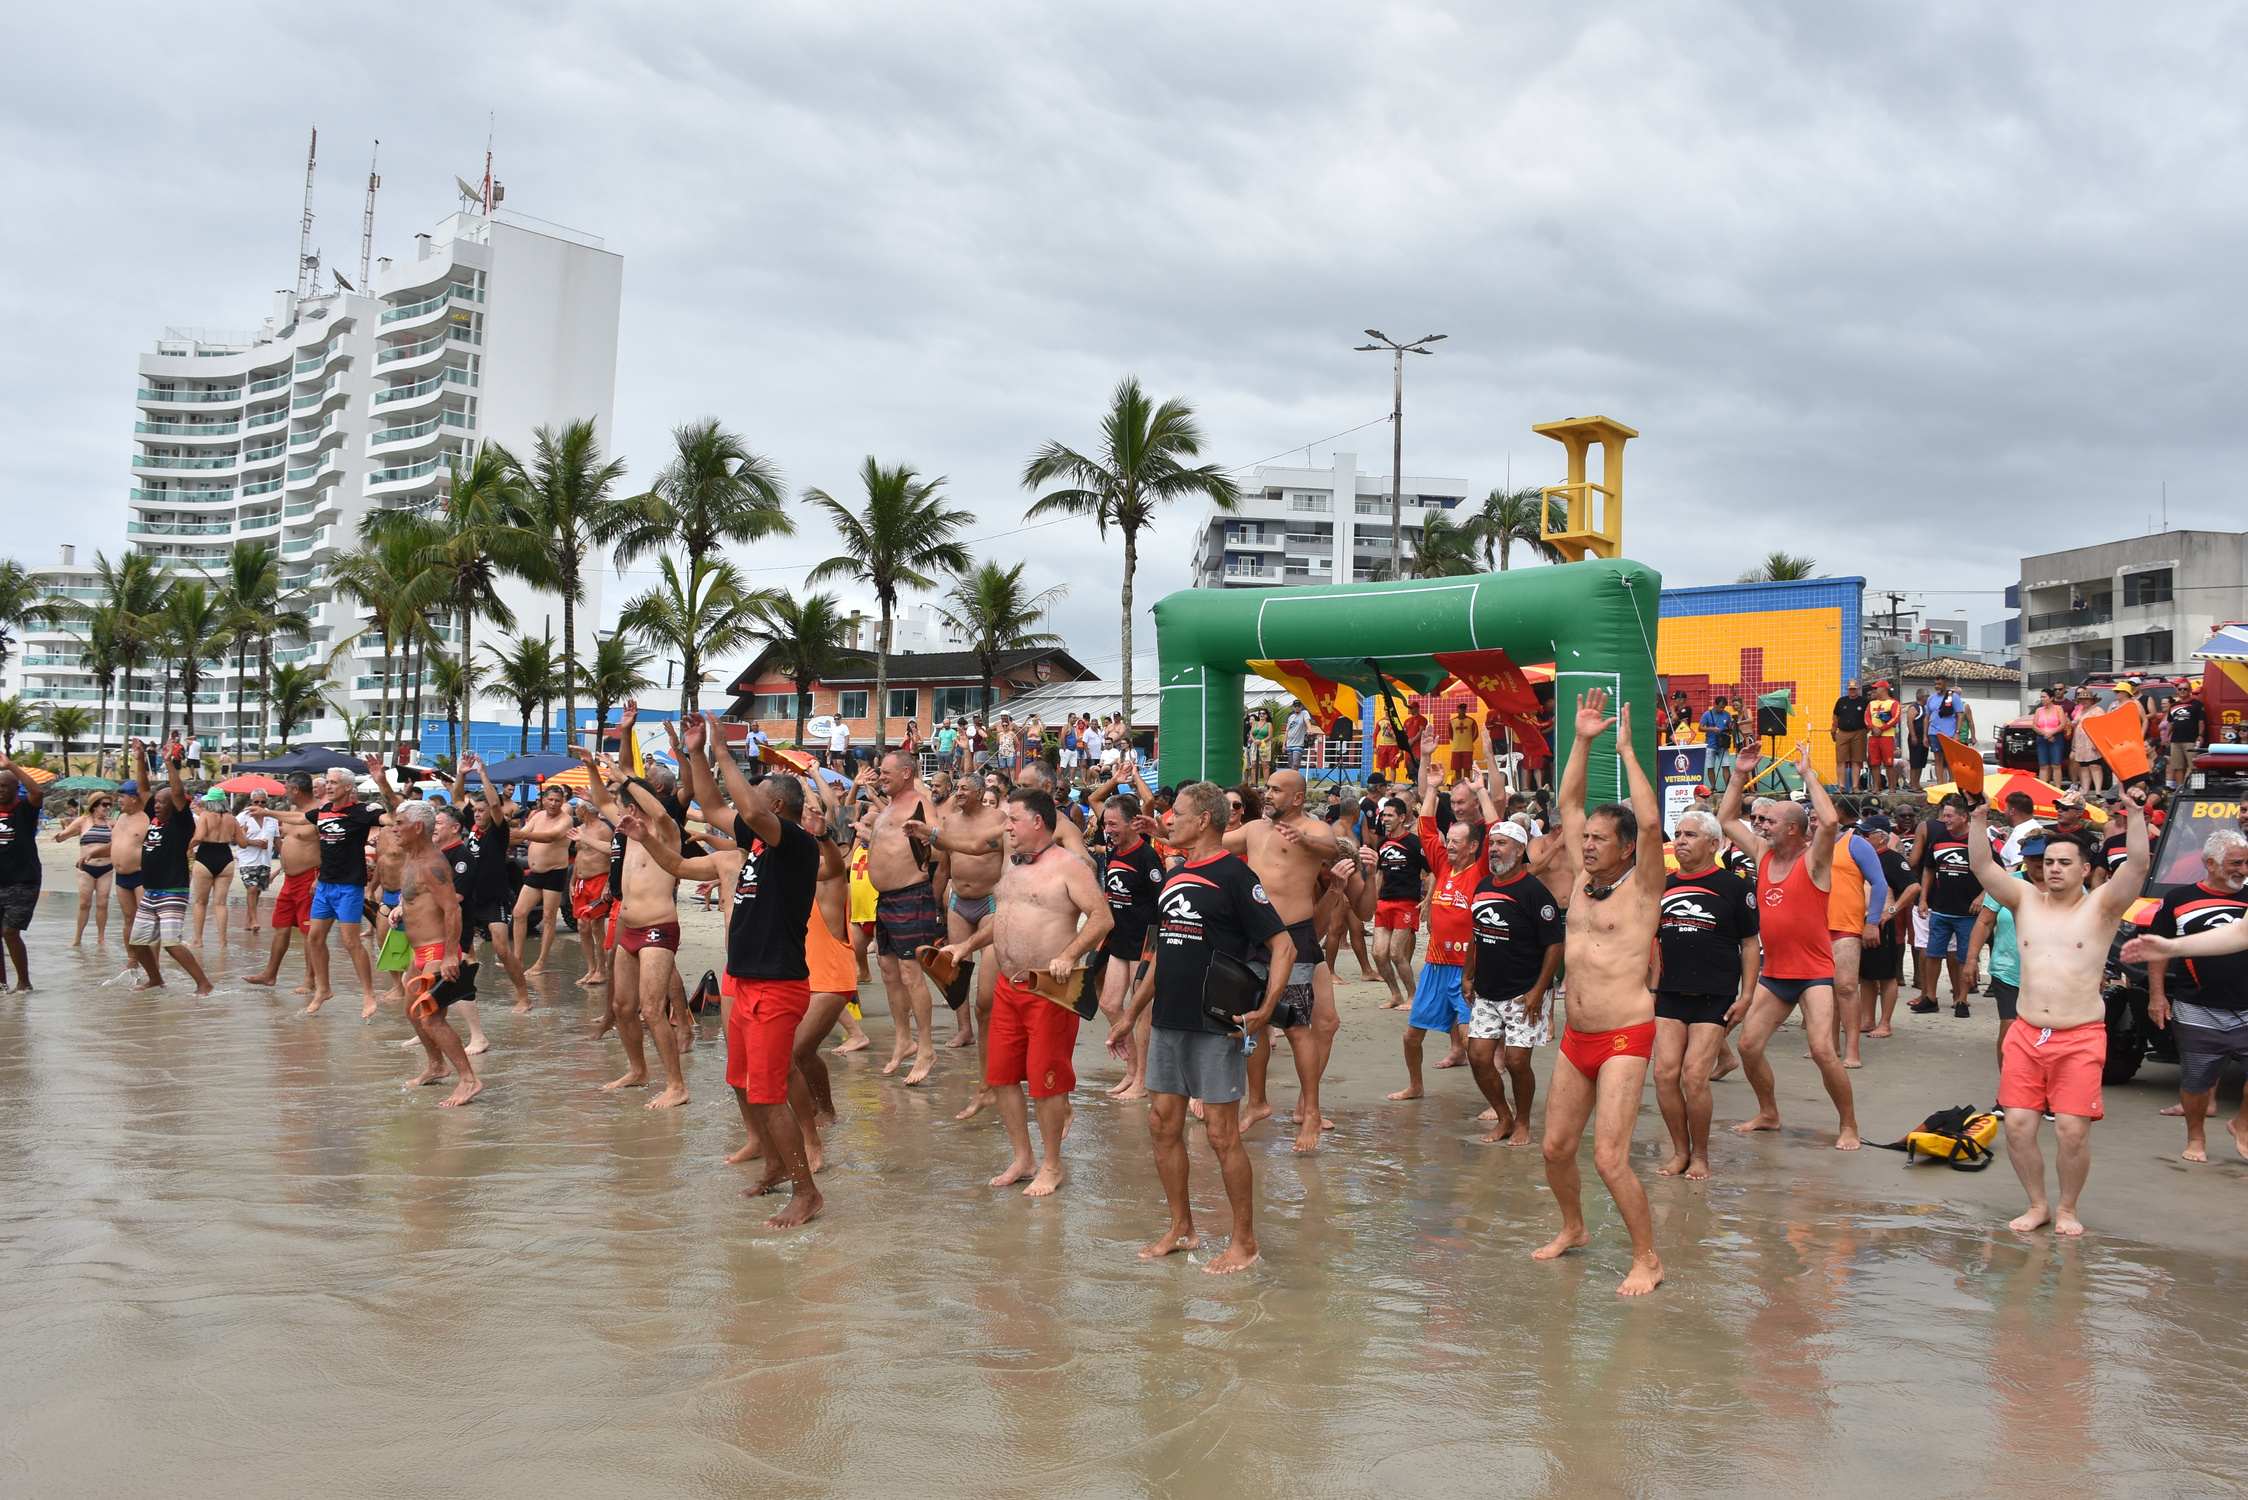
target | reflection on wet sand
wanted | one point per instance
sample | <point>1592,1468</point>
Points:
<point>244,1259</point>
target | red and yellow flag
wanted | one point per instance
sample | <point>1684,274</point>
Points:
<point>793,760</point>
<point>1324,697</point>
<point>1505,690</point>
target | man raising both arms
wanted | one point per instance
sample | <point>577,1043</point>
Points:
<point>647,951</point>
<point>484,898</point>
<point>2052,1057</point>
<point>161,916</point>
<point>299,857</point>
<point>1709,965</point>
<point>339,896</point>
<point>1289,850</point>
<point>906,915</point>
<point>1794,890</point>
<point>1210,904</point>
<point>1616,853</point>
<point>430,910</point>
<point>1042,896</point>
<point>546,878</point>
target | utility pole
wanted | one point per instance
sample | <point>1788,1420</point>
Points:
<point>308,264</point>
<point>367,223</point>
<point>1396,438</point>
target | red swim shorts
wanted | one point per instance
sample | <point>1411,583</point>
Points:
<point>1881,750</point>
<point>1031,1040</point>
<point>2042,1069</point>
<point>293,907</point>
<point>589,898</point>
<point>662,935</point>
<point>1404,916</point>
<point>761,1034</point>
<point>1587,1050</point>
<point>431,955</point>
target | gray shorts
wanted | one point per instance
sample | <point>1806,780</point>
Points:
<point>1196,1065</point>
<point>255,877</point>
<point>17,904</point>
<point>2203,1052</point>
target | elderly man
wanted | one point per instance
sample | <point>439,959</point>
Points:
<point>343,825</point>
<point>2202,997</point>
<point>1290,851</point>
<point>1519,941</point>
<point>161,916</point>
<point>907,917</point>
<point>1794,855</point>
<point>1710,957</point>
<point>429,908</point>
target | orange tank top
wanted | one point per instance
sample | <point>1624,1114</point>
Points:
<point>1792,920</point>
<point>1846,907</point>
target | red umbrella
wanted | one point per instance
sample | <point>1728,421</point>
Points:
<point>250,781</point>
<point>37,774</point>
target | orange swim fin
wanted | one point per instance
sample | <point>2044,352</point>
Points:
<point>1965,764</point>
<point>2120,737</point>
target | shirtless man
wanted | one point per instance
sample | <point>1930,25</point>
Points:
<point>906,914</point>
<point>1794,863</point>
<point>967,832</point>
<point>298,855</point>
<point>773,872</point>
<point>591,843</point>
<point>1035,925</point>
<point>1615,854</point>
<point>1289,850</point>
<point>127,834</point>
<point>2052,1057</point>
<point>546,879</point>
<point>430,910</point>
<point>646,957</point>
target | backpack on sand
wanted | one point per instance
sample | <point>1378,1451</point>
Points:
<point>1961,1135</point>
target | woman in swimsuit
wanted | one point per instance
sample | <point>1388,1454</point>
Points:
<point>95,876</point>
<point>216,834</point>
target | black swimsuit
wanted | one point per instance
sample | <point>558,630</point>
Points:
<point>205,851</point>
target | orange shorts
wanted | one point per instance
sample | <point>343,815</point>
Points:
<point>1587,1050</point>
<point>834,970</point>
<point>2044,1069</point>
<point>589,898</point>
<point>761,1034</point>
<point>1031,1039</point>
<point>1403,916</point>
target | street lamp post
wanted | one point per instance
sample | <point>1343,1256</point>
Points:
<point>1397,437</point>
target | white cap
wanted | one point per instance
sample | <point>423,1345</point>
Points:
<point>1512,831</point>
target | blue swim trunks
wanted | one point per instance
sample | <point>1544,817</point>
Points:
<point>1437,1003</point>
<point>338,900</point>
<point>390,898</point>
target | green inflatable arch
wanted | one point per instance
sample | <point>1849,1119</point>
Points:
<point>1593,621</point>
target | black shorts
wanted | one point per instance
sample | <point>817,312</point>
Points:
<point>1884,960</point>
<point>2008,997</point>
<point>1127,943</point>
<point>555,880</point>
<point>1694,1010</point>
<point>477,919</point>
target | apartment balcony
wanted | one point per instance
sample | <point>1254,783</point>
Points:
<point>190,398</point>
<point>1273,540</point>
<point>432,347</point>
<point>327,499</point>
<point>205,431</point>
<point>259,523</point>
<point>395,480</point>
<point>2101,613</point>
<point>266,418</point>
<point>422,309</point>
<point>160,461</point>
<point>330,461</point>
<point>314,364</point>
<point>278,382</point>
<point>179,528</point>
<point>436,422</point>
<point>180,497</point>
<point>205,562</point>
<point>304,544</point>
<point>274,450</point>
<point>262,487</point>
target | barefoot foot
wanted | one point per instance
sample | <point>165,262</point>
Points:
<point>2034,1219</point>
<point>469,1089</point>
<point>671,1098</point>
<point>1761,1122</point>
<point>1044,1183</point>
<point>1017,1170</point>
<point>1407,1093</point>
<point>1172,1239</point>
<point>1645,1276</point>
<point>801,1209</point>
<point>750,1152</point>
<point>976,1106</point>
<point>1562,1244</point>
<point>1237,1257</point>
<point>1677,1164</point>
<point>636,1078</point>
<point>2067,1223</point>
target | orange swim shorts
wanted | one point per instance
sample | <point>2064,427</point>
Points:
<point>2039,1068</point>
<point>1031,1040</point>
<point>761,1034</point>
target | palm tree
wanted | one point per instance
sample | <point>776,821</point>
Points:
<point>390,575</point>
<point>994,611</point>
<point>904,535</point>
<point>526,675</point>
<point>566,504</point>
<point>356,727</point>
<point>1519,515</point>
<point>455,684</point>
<point>705,613</point>
<point>23,601</point>
<point>801,636</point>
<point>293,690</point>
<point>133,593</point>
<point>618,672</point>
<point>1443,550</point>
<point>478,544</point>
<point>250,594</point>
<point>714,490</point>
<point>103,655</point>
<point>1780,567</point>
<point>66,725</point>
<point>16,716</point>
<point>195,625</point>
<point>1137,467</point>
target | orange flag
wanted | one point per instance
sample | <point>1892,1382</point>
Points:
<point>2120,737</point>
<point>794,760</point>
<point>1966,764</point>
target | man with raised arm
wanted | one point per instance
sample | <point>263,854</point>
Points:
<point>2204,999</point>
<point>1211,904</point>
<point>339,897</point>
<point>546,877</point>
<point>1615,854</point>
<point>1520,937</point>
<point>907,917</point>
<point>774,871</point>
<point>592,843</point>
<point>647,953</point>
<point>2052,1057</point>
<point>161,917</point>
<point>484,900</point>
<point>968,839</point>
<point>1290,851</point>
<point>430,910</point>
<point>1443,1000</point>
<point>1793,850</point>
<point>1710,959</point>
<point>299,856</point>
<point>1050,913</point>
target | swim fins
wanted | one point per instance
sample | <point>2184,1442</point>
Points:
<point>397,955</point>
<point>708,987</point>
<point>957,980</point>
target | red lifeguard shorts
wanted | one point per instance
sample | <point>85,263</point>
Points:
<point>1587,1050</point>
<point>761,1033</point>
<point>1031,1040</point>
<point>293,907</point>
<point>589,898</point>
<point>1404,916</point>
<point>2056,1070</point>
<point>1881,750</point>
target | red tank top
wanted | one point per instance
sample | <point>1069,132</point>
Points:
<point>1792,920</point>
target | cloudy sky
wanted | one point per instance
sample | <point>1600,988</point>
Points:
<point>1912,288</point>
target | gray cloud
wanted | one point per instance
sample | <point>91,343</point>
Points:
<point>1904,287</point>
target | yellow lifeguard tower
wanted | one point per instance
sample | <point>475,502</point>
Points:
<point>1592,523</point>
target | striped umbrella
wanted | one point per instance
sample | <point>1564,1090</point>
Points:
<point>577,778</point>
<point>38,774</point>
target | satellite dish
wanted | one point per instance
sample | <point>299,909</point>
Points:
<point>347,286</point>
<point>468,190</point>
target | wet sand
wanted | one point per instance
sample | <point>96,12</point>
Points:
<point>243,1259</point>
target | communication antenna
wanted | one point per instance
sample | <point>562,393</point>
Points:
<point>367,223</point>
<point>308,260</point>
<point>493,192</point>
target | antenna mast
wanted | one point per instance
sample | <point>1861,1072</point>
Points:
<point>308,264</point>
<point>491,124</point>
<point>367,224</point>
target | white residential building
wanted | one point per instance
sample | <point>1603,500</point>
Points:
<point>1331,525</point>
<point>343,403</point>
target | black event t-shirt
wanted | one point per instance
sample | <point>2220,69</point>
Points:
<point>1132,883</point>
<point>1898,875</point>
<point>2114,851</point>
<point>2185,722</point>
<point>772,903</point>
<point>1943,860</point>
<point>457,857</point>
<point>2219,982</point>
<point>19,844</point>
<point>164,851</point>
<point>1705,920</point>
<point>1402,864</point>
<point>1514,921</point>
<point>343,842</point>
<point>1849,714</point>
<point>1209,906</point>
<point>487,853</point>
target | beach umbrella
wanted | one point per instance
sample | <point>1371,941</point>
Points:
<point>37,774</point>
<point>577,778</point>
<point>250,781</point>
<point>84,784</point>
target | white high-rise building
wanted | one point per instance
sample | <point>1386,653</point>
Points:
<point>343,403</point>
<point>1331,525</point>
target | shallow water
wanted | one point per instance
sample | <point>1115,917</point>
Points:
<point>239,1259</point>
